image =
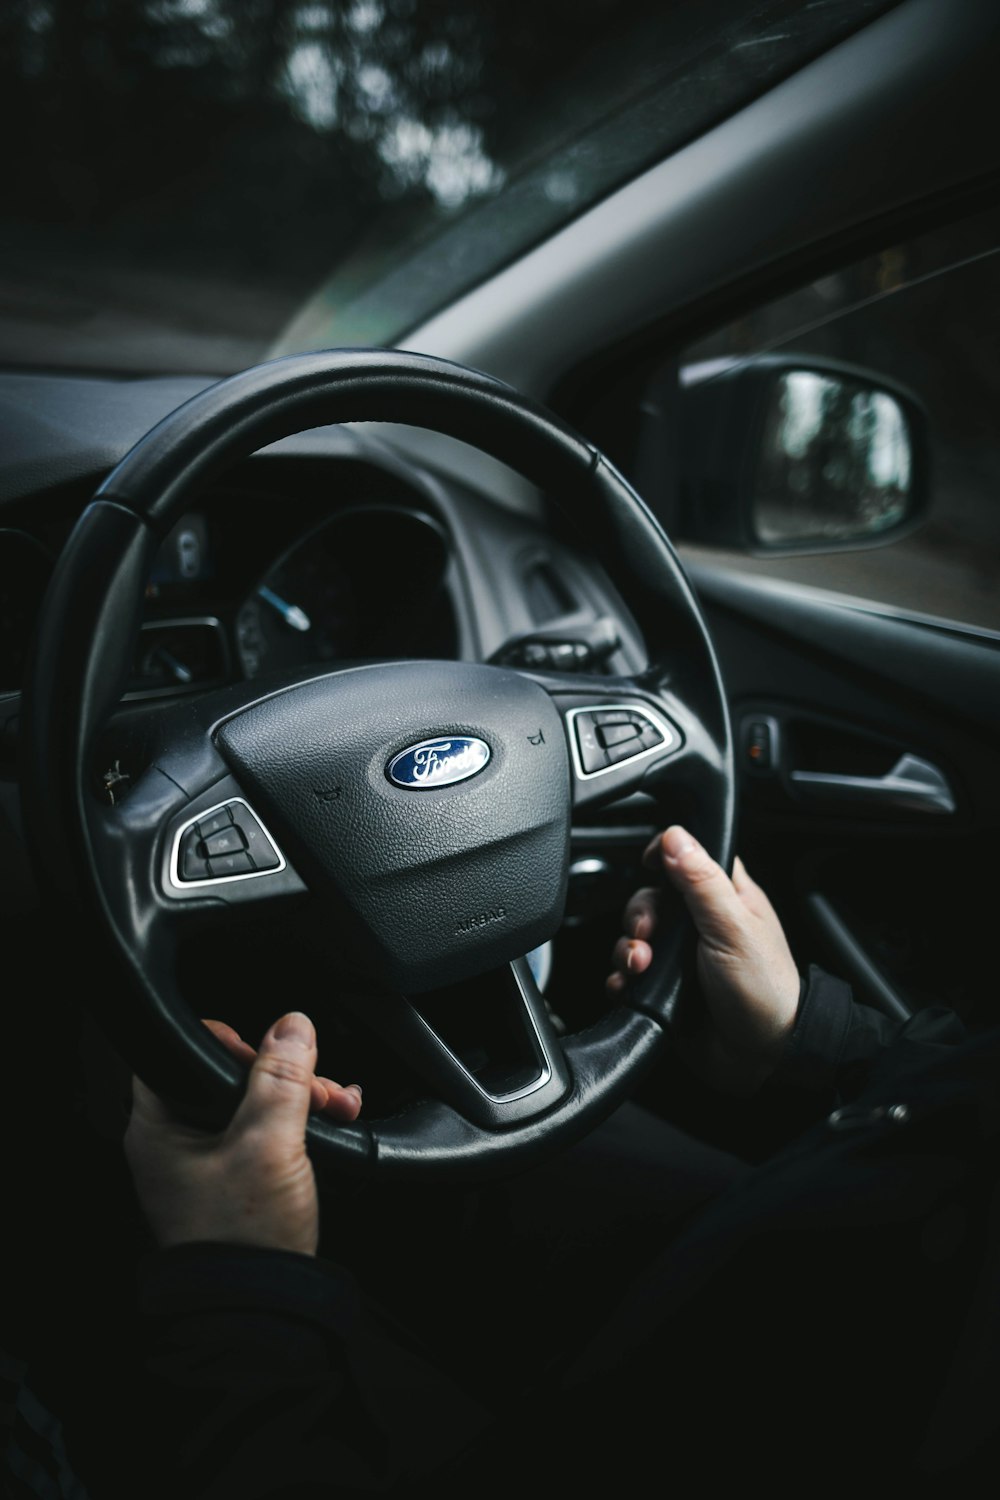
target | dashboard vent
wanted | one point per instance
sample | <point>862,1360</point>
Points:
<point>547,596</point>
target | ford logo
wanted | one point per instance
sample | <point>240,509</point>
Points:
<point>441,762</point>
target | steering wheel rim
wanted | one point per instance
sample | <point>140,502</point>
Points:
<point>94,861</point>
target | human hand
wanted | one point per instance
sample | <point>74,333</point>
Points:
<point>748,977</point>
<point>252,1184</point>
<point>340,1101</point>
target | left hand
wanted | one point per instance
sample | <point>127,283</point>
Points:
<point>253,1184</point>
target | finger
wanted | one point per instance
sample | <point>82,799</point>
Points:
<point>631,956</point>
<point>640,915</point>
<point>231,1040</point>
<point>707,890</point>
<point>342,1101</point>
<point>234,1043</point>
<point>279,1090</point>
<point>322,1089</point>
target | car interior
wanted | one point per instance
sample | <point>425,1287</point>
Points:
<point>672,492</point>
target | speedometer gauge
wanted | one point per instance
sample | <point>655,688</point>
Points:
<point>367,583</point>
<point>303,612</point>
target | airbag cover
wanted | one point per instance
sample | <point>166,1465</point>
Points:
<point>434,881</point>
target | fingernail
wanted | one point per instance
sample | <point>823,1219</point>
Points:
<point>675,843</point>
<point>295,1027</point>
<point>355,1088</point>
<point>629,964</point>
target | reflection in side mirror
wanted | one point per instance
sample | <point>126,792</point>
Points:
<point>836,462</point>
<point>790,454</point>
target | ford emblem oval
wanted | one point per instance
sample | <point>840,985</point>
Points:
<point>453,757</point>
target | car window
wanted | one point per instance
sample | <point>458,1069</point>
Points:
<point>198,184</point>
<point>920,313</point>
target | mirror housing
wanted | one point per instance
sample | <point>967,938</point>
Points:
<point>785,454</point>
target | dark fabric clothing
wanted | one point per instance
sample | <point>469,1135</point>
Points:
<point>828,1314</point>
<point>36,1465</point>
<point>836,1313</point>
<point>277,1380</point>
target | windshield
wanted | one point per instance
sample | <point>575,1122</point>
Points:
<point>194,185</point>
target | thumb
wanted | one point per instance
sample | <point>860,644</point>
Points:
<point>707,890</point>
<point>278,1091</point>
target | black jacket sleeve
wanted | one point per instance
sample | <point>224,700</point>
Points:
<point>262,1374</point>
<point>838,1044</point>
<point>836,1048</point>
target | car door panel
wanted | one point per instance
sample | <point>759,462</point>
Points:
<point>888,889</point>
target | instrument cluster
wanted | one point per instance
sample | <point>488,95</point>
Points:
<point>365,582</point>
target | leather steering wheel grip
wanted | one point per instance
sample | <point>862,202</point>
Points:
<point>82,656</point>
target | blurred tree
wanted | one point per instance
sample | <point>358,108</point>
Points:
<point>160,152</point>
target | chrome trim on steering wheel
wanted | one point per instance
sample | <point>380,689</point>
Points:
<point>671,738</point>
<point>187,887</point>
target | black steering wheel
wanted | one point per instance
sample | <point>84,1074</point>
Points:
<point>423,807</point>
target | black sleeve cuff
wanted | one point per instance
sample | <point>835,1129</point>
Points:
<point>216,1277</point>
<point>813,1053</point>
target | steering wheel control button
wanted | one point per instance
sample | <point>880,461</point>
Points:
<point>263,853</point>
<point>193,864</point>
<point>617,734</point>
<point>221,818</point>
<point>228,843</point>
<point>625,751</point>
<point>603,738</point>
<point>230,864</point>
<point>438,762</point>
<point>593,755</point>
<point>225,841</point>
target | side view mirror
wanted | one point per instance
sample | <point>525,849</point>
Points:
<point>789,454</point>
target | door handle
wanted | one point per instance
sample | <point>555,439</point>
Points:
<point>912,784</point>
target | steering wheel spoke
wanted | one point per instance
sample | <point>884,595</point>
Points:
<point>186,837</point>
<point>219,847</point>
<point>182,852</point>
<point>619,742</point>
<point>634,734</point>
<point>494,1058</point>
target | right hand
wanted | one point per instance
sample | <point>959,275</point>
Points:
<point>748,977</point>
<point>253,1183</point>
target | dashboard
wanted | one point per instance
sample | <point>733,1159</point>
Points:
<point>251,582</point>
<point>328,548</point>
